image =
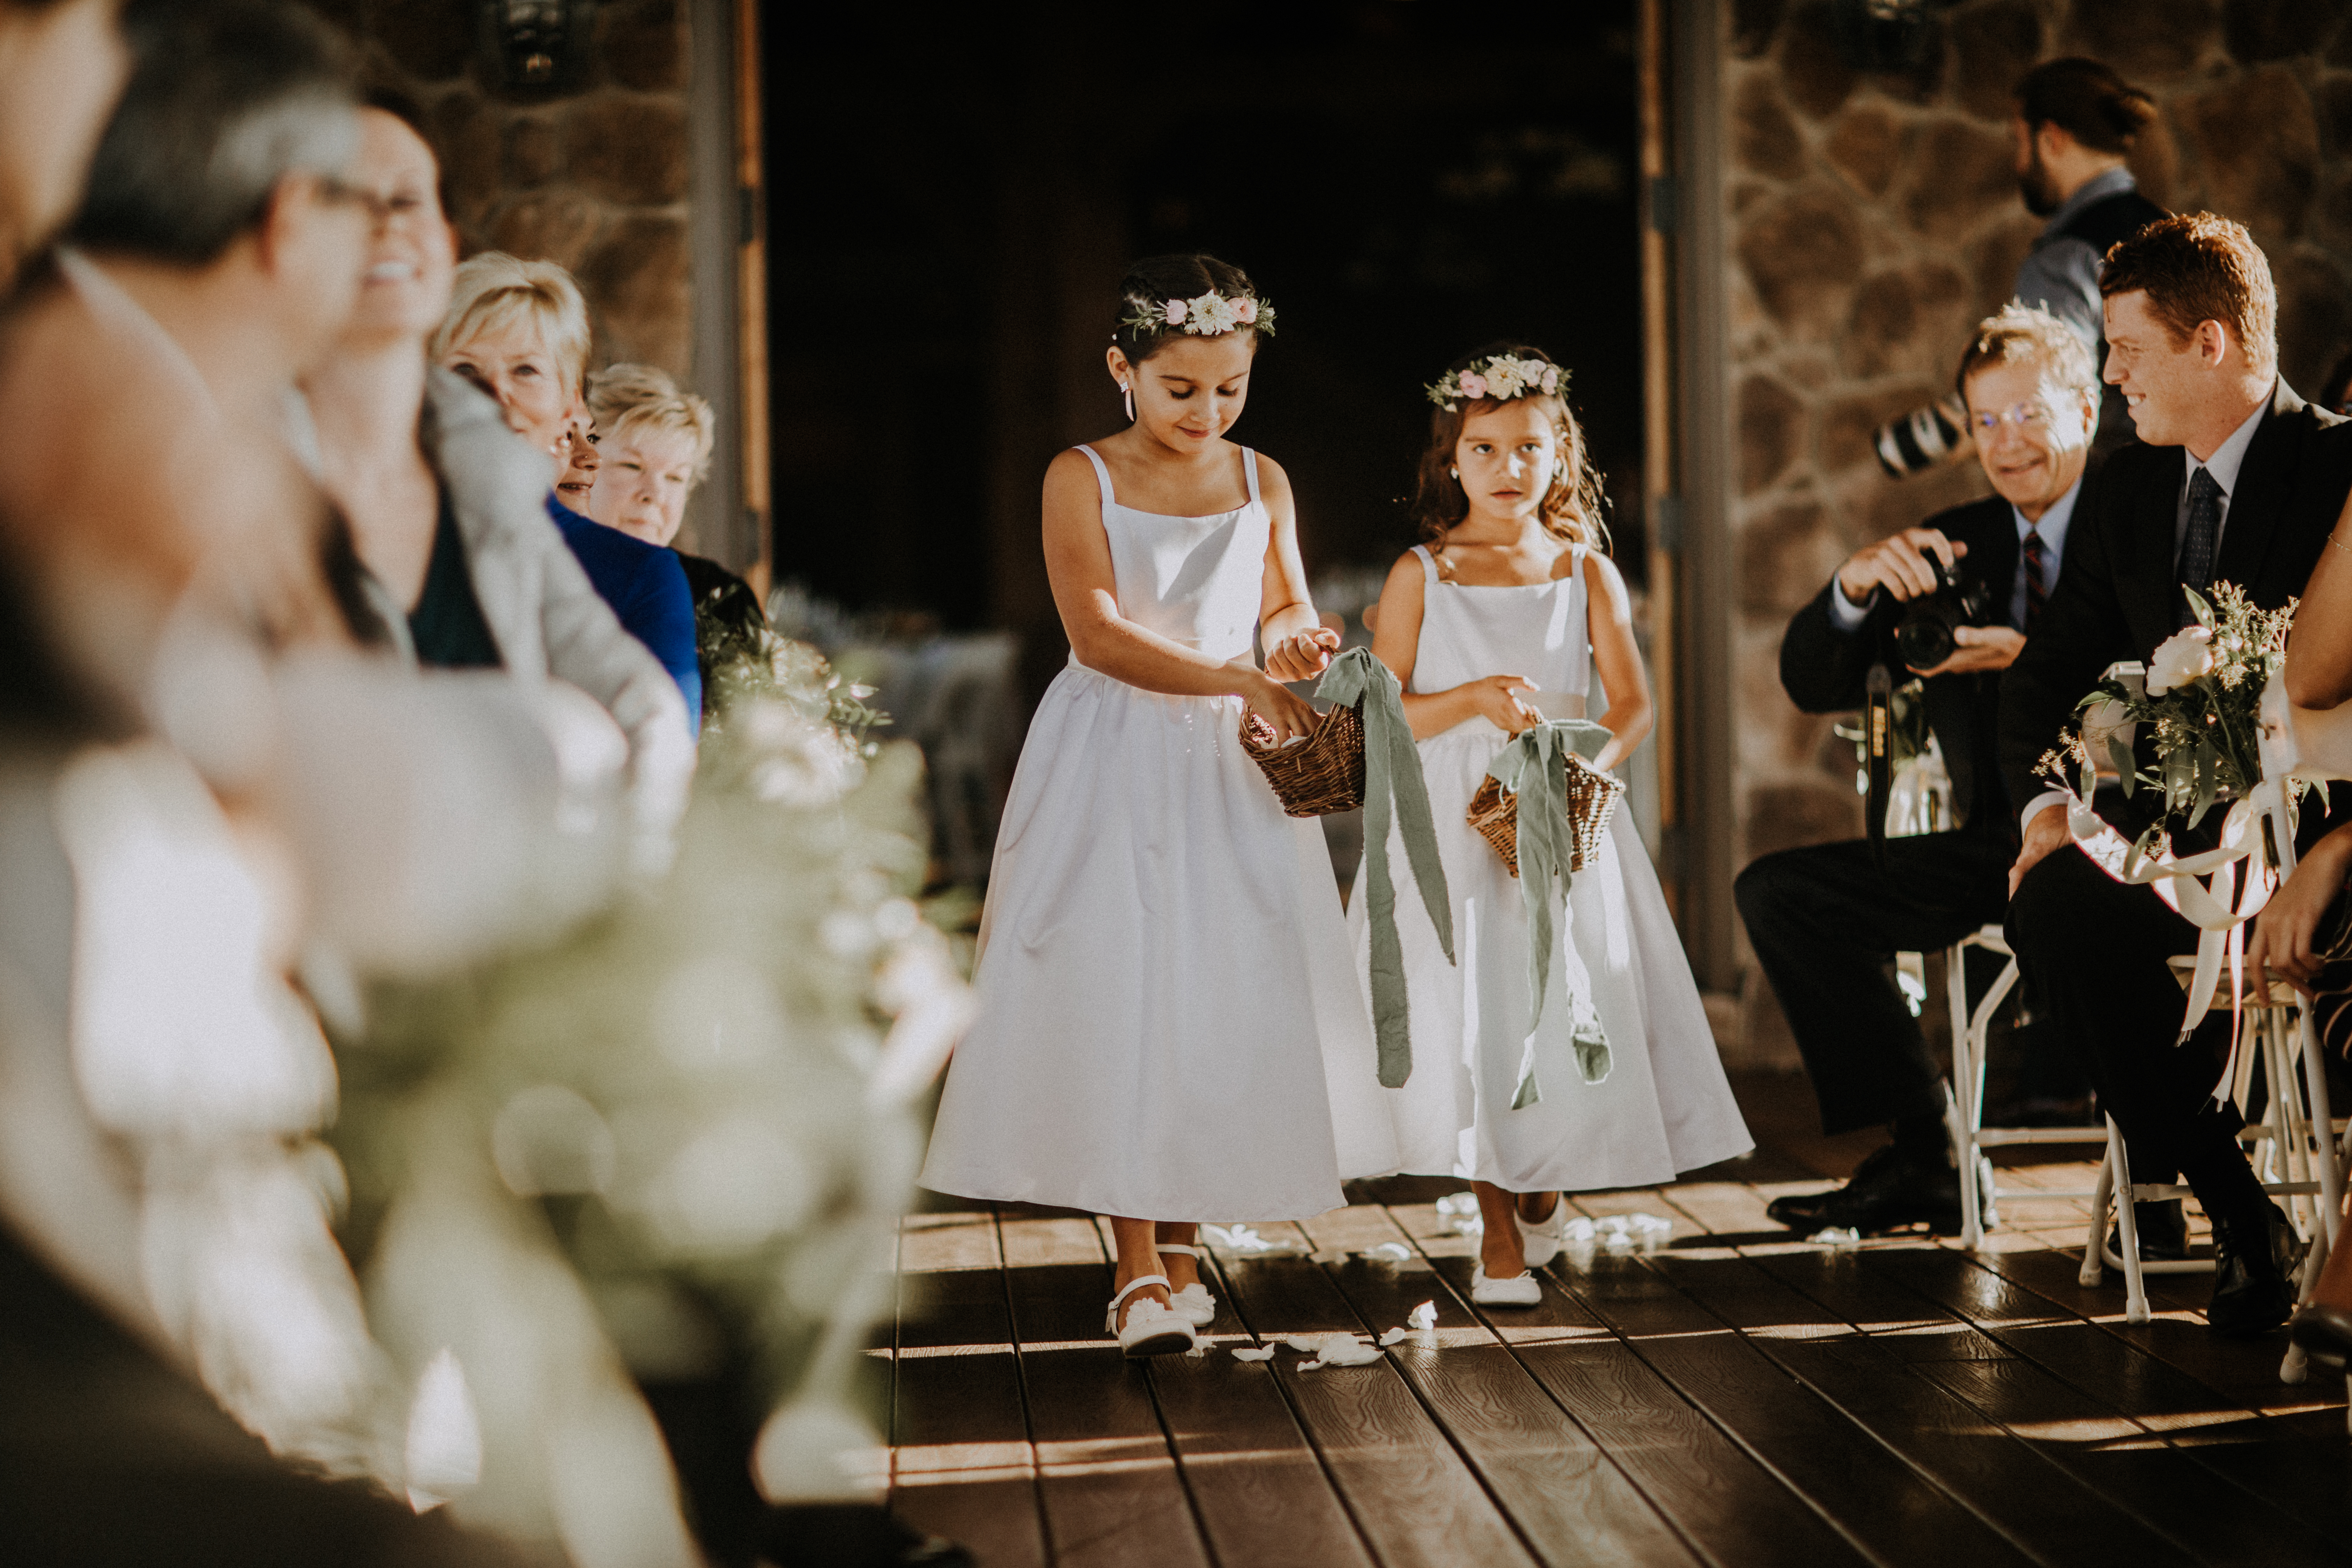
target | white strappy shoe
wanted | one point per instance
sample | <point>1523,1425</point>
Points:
<point>1543,1239</point>
<point>1521,1291</point>
<point>1194,1301</point>
<point>1151,1329</point>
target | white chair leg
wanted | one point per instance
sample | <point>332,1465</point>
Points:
<point>2095,1265</point>
<point>2135,1309</point>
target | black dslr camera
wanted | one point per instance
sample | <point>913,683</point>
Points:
<point>1924,635</point>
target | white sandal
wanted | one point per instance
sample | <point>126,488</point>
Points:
<point>1520,1290</point>
<point>1151,1327</point>
<point>1541,1240</point>
<point>1194,1301</point>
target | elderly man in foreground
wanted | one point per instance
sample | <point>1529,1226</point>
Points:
<point>2237,479</point>
<point>1825,919</point>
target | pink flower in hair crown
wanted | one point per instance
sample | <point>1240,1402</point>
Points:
<point>1205,315</point>
<point>1473,385</point>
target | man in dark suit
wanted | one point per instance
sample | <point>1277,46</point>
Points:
<point>1824,919</point>
<point>2237,479</point>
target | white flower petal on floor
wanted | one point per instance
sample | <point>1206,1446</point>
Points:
<point>1836,1236</point>
<point>1253,1352</point>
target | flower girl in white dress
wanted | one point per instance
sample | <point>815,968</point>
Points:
<point>1163,968</point>
<point>1494,627</point>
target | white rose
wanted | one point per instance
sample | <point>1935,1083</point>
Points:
<point>1503,378</point>
<point>2179,660</point>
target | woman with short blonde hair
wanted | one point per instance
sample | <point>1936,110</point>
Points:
<point>655,448</point>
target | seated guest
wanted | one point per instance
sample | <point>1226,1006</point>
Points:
<point>518,329</point>
<point>655,448</point>
<point>445,502</point>
<point>1825,920</point>
<point>2235,478</point>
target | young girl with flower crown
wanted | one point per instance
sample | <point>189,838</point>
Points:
<point>1495,627</point>
<point>1163,967</point>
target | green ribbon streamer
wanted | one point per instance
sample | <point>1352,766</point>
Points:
<point>1392,781</point>
<point>1534,767</point>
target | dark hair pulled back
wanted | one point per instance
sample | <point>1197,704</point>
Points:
<point>1151,282</point>
<point>1572,509</point>
<point>2088,100</point>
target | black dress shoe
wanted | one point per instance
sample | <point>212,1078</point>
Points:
<point>2325,1334</point>
<point>2254,1274</point>
<point>1889,1190</point>
<point>2163,1232</point>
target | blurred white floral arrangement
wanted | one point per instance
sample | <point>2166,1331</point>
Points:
<point>696,1106</point>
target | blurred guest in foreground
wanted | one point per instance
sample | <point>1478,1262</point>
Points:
<point>445,502</point>
<point>654,448</point>
<point>518,329</point>
<point>61,68</point>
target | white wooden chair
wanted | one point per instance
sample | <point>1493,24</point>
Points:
<point>1970,1137</point>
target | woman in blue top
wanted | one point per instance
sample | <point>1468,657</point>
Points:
<point>518,329</point>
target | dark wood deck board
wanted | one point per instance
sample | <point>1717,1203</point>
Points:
<point>1571,1502</point>
<point>963,1466</point>
<point>1409,1490</point>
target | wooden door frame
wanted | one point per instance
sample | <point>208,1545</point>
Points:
<point>1686,487</point>
<point>728,235</point>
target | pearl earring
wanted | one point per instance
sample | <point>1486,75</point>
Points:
<point>1454,473</point>
<point>1128,393</point>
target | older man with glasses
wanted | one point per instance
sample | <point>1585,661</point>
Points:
<point>1825,920</point>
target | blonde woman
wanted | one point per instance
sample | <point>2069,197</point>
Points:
<point>653,449</point>
<point>518,329</point>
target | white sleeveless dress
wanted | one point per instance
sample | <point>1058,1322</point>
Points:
<point>1167,1018</point>
<point>1665,1106</point>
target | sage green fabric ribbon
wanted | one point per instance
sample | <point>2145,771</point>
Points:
<point>1392,783</point>
<point>1534,767</point>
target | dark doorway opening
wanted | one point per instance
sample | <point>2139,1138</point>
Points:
<point>952,198</point>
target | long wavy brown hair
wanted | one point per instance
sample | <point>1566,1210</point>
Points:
<point>1573,510</point>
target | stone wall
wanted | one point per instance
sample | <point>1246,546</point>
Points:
<point>595,177</point>
<point>1874,216</point>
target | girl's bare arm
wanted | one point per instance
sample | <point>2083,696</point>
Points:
<point>2319,650</point>
<point>1617,659</point>
<point>1298,645</point>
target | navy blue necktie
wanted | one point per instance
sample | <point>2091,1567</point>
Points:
<point>2037,584</point>
<point>2204,528</point>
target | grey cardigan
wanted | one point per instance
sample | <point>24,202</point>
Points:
<point>546,617</point>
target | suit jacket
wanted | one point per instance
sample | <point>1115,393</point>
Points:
<point>1823,669</point>
<point>2119,594</point>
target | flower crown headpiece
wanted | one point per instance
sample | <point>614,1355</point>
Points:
<point>1209,315</point>
<point>1500,377</point>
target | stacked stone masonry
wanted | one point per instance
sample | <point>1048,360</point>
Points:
<point>593,176</point>
<point>1875,217</point>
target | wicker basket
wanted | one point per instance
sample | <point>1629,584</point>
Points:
<point>1592,797</point>
<point>1317,776</point>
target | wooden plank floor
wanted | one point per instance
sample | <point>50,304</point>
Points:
<point>1736,1397</point>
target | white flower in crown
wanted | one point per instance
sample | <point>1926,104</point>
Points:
<point>1212,314</point>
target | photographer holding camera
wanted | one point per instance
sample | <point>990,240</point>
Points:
<point>1953,600</point>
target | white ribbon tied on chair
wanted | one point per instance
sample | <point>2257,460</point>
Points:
<point>2207,890</point>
